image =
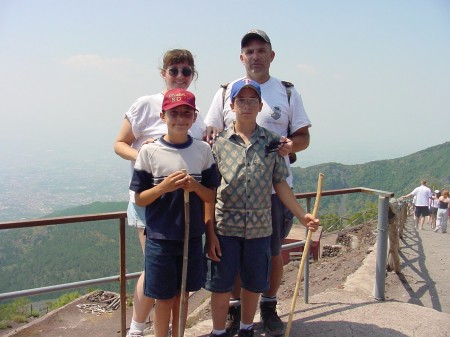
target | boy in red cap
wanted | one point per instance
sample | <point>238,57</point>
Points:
<point>159,184</point>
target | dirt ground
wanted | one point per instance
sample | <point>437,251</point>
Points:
<point>346,252</point>
<point>342,254</point>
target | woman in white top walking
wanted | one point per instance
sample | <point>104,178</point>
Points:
<point>442,214</point>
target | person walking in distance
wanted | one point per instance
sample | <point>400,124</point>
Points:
<point>442,214</point>
<point>423,195</point>
<point>142,123</point>
<point>434,205</point>
<point>282,113</point>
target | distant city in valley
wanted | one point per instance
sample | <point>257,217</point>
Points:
<point>35,184</point>
<point>35,191</point>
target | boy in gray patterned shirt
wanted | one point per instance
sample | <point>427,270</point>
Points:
<point>239,243</point>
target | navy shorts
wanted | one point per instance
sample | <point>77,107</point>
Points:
<point>164,264</point>
<point>422,211</point>
<point>282,220</point>
<point>249,257</point>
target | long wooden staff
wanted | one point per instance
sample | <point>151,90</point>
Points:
<point>305,253</point>
<point>185,262</point>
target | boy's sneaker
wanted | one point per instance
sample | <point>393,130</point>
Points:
<point>135,334</point>
<point>273,325</point>
<point>245,333</point>
<point>233,320</point>
<point>221,335</point>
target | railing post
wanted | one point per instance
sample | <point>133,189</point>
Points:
<point>306,271</point>
<point>382,239</point>
<point>123,281</point>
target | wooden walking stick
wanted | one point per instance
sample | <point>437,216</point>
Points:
<point>305,250</point>
<point>185,262</point>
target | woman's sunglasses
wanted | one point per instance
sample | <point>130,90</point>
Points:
<point>186,72</point>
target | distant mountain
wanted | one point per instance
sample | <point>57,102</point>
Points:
<point>44,256</point>
<point>399,175</point>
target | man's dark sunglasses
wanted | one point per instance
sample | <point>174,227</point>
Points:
<point>186,72</point>
<point>273,147</point>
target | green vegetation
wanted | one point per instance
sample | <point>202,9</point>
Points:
<point>399,175</point>
<point>18,311</point>
<point>45,256</point>
<point>51,255</point>
<point>21,310</point>
<point>63,300</point>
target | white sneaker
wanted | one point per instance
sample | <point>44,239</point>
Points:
<point>135,334</point>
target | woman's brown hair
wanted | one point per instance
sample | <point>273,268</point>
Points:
<point>175,56</point>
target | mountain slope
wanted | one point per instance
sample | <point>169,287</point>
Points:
<point>399,175</point>
<point>37,257</point>
<point>43,256</point>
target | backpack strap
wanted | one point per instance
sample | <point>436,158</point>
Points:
<point>224,90</point>
<point>288,86</point>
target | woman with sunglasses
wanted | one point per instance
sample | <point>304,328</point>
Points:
<point>142,124</point>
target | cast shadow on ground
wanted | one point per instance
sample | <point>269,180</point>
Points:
<point>416,263</point>
<point>342,329</point>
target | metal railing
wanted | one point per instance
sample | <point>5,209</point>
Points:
<point>382,235</point>
<point>123,277</point>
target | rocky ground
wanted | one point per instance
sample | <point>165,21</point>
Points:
<point>342,254</point>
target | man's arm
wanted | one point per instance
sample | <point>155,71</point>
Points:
<point>214,118</point>
<point>406,195</point>
<point>298,141</point>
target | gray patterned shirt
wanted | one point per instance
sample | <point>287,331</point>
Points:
<point>247,174</point>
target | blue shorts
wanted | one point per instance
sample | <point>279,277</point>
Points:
<point>135,215</point>
<point>164,265</point>
<point>249,257</point>
<point>282,220</point>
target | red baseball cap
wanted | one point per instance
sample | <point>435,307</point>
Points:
<point>177,97</point>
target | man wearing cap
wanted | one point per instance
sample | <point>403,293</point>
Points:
<point>283,113</point>
<point>159,183</point>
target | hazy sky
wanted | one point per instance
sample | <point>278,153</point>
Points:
<point>374,75</point>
